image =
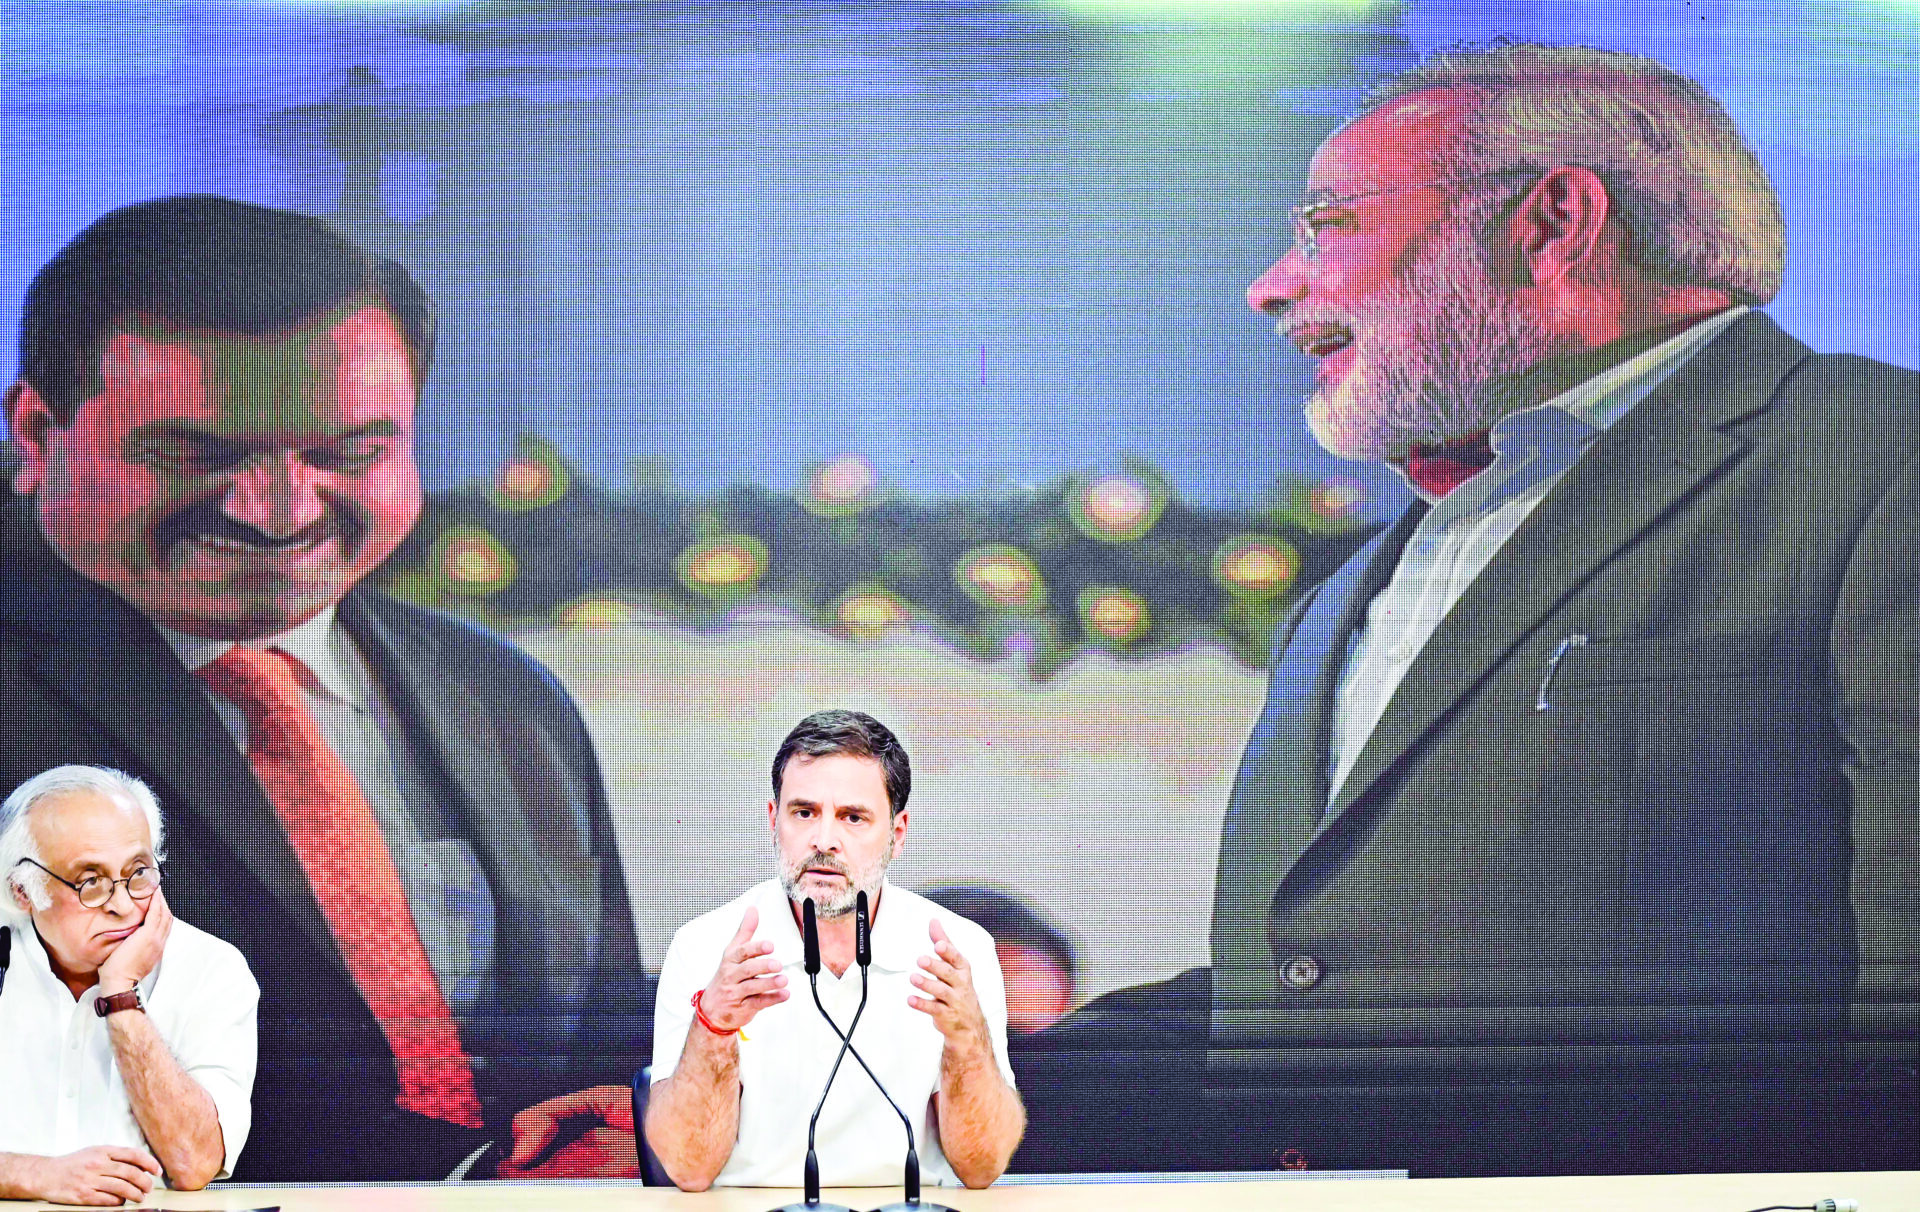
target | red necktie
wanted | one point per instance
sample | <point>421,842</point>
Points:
<point>1442,467</point>
<point>338,842</point>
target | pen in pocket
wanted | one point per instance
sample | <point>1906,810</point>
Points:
<point>1576,640</point>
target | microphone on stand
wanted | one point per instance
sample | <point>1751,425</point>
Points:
<point>810,938</point>
<point>863,955</point>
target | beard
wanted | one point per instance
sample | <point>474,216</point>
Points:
<point>866,879</point>
<point>1438,354</point>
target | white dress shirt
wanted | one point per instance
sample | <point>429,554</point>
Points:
<point>786,1051</point>
<point>1533,449</point>
<point>445,885</point>
<point>60,1086</point>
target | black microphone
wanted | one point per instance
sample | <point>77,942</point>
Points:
<point>863,955</point>
<point>810,942</point>
<point>810,937</point>
<point>862,936</point>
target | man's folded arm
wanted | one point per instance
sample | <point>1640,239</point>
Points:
<point>175,1113</point>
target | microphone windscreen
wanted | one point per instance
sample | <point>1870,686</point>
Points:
<point>862,931</point>
<point>810,933</point>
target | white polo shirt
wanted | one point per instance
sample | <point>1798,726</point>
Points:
<point>787,1050</point>
<point>62,1087</point>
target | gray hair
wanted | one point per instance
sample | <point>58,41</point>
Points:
<point>1698,208</point>
<point>857,734</point>
<point>16,836</point>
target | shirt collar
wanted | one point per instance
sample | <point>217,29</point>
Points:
<point>1599,402</point>
<point>30,955</point>
<point>319,644</point>
<point>1607,396</point>
<point>895,946</point>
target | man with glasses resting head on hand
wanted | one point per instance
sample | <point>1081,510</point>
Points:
<point>129,1034</point>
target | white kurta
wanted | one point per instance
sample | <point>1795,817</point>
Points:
<point>63,1089</point>
<point>787,1050</point>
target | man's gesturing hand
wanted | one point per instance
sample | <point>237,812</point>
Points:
<point>947,982</point>
<point>749,979</point>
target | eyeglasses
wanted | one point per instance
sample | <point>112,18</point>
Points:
<point>1307,217</point>
<point>95,891</point>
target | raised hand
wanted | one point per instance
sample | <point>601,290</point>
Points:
<point>946,980</point>
<point>748,981</point>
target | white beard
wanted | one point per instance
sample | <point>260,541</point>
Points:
<point>866,880</point>
<point>1438,354</point>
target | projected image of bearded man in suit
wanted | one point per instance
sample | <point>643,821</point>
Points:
<point>1575,834</point>
<point>397,818</point>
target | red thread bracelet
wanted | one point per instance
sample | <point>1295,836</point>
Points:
<point>704,1020</point>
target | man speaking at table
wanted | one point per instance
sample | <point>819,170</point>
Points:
<point>397,818</point>
<point>741,1055</point>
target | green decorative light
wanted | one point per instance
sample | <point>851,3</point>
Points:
<point>535,476</point>
<point>1116,508</point>
<point>840,487</point>
<point>725,566</point>
<point>1336,498</point>
<point>868,612</point>
<point>1000,576</point>
<point>592,612</point>
<point>470,561</point>
<point>1254,566</point>
<point>1118,616</point>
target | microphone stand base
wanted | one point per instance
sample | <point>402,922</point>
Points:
<point>818,1205</point>
<point>921,1206</point>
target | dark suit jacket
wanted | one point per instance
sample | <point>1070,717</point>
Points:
<point>1627,924</point>
<point>85,678</point>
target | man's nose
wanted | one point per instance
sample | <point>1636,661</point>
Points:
<point>277,493</point>
<point>114,894</point>
<point>1282,285</point>
<point>826,836</point>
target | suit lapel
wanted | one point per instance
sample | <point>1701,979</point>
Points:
<point>1666,448</point>
<point>104,658</point>
<point>449,724</point>
<point>1281,787</point>
<point>442,717</point>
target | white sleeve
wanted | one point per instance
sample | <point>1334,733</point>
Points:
<point>217,1044</point>
<point>672,1005</point>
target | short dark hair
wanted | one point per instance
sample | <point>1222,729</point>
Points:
<point>1010,920</point>
<point>854,733</point>
<point>206,263</point>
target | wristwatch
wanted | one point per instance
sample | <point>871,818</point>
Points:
<point>130,1000</point>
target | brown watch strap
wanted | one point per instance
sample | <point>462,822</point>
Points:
<point>130,1000</point>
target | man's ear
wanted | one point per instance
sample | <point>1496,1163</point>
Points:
<point>899,826</point>
<point>1560,222</point>
<point>28,422</point>
<point>19,895</point>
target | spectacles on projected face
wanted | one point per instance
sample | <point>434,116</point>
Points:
<point>1312,216</point>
